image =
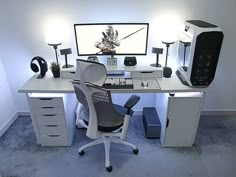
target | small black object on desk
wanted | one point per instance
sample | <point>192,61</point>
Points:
<point>130,61</point>
<point>157,51</point>
<point>66,52</point>
<point>167,71</point>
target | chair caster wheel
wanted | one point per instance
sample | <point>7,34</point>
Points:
<point>81,152</point>
<point>135,151</point>
<point>109,169</point>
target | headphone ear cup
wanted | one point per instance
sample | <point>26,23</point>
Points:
<point>34,67</point>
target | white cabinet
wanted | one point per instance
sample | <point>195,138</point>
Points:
<point>179,116</point>
<point>53,118</point>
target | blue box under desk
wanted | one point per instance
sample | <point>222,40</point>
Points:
<point>151,122</point>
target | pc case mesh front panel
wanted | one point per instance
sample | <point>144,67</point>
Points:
<point>206,55</point>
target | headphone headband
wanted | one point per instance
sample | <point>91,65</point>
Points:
<point>39,59</point>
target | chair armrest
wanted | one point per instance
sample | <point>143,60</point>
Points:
<point>133,100</point>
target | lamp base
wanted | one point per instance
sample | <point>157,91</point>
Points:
<point>167,71</point>
<point>67,66</point>
<point>185,68</point>
<point>155,65</point>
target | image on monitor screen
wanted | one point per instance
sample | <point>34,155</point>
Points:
<point>111,38</point>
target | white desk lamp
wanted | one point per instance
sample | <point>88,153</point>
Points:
<point>167,71</point>
<point>53,41</point>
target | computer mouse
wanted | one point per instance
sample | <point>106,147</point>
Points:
<point>144,84</point>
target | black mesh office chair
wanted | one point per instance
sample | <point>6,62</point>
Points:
<point>106,122</point>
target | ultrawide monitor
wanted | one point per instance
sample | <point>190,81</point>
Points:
<point>111,38</point>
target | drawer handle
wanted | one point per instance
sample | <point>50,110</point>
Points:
<point>54,135</point>
<point>72,72</point>
<point>144,72</point>
<point>51,125</point>
<point>47,107</point>
<point>167,123</point>
<point>45,98</point>
<point>49,115</point>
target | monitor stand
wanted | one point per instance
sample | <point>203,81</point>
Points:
<point>112,61</point>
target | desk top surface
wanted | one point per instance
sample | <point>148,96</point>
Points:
<point>58,85</point>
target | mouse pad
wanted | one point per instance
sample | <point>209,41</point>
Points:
<point>146,84</point>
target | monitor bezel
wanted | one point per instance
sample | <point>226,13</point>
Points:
<point>81,24</point>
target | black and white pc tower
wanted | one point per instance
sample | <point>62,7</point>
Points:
<point>199,48</point>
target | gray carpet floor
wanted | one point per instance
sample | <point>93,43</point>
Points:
<point>213,154</point>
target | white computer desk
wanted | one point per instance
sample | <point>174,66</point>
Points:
<point>57,85</point>
<point>52,104</point>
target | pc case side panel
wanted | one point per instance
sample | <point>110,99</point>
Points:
<point>206,55</point>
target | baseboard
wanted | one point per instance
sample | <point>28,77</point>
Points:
<point>8,124</point>
<point>219,112</point>
<point>24,114</point>
<point>205,112</point>
<point>138,113</point>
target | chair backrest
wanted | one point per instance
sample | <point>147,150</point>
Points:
<point>105,113</point>
<point>87,74</point>
<point>91,72</point>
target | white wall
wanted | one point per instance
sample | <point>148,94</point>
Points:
<point>23,26</point>
<point>7,105</point>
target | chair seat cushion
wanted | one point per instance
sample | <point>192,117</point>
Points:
<point>121,110</point>
<point>106,129</point>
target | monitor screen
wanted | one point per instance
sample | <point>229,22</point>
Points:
<point>111,38</point>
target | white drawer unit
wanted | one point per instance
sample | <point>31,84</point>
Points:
<point>179,116</point>
<point>53,118</point>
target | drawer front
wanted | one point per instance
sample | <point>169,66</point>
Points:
<point>46,102</point>
<point>67,74</point>
<point>146,74</point>
<point>54,140</point>
<point>52,130</point>
<point>48,111</point>
<point>50,119</point>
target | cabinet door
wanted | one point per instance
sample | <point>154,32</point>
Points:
<point>182,120</point>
